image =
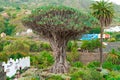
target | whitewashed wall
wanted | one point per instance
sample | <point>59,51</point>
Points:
<point>12,66</point>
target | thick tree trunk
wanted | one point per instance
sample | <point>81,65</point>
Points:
<point>59,52</point>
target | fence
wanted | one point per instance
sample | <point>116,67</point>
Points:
<point>12,66</point>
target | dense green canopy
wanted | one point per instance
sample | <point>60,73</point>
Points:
<point>59,19</point>
<point>103,11</point>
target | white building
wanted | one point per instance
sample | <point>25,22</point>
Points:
<point>113,29</point>
<point>23,33</point>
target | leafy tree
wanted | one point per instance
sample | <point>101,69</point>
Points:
<point>95,30</point>
<point>6,26</point>
<point>9,29</point>
<point>59,24</point>
<point>103,11</point>
<point>1,9</point>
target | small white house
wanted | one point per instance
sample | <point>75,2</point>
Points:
<point>113,29</point>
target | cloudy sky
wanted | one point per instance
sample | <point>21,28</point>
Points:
<point>114,1</point>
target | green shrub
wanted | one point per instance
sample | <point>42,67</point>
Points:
<point>118,49</point>
<point>95,30</point>
<point>111,40</point>
<point>46,59</point>
<point>113,56</point>
<point>18,8</point>
<point>1,47</point>
<point>86,74</point>
<point>17,47</point>
<point>3,57</point>
<point>85,45</point>
<point>10,78</point>
<point>93,64</point>
<point>107,65</point>
<point>9,38</point>
<point>90,45</point>
<point>74,55</point>
<point>91,74</point>
<point>116,67</point>
<point>1,9</point>
<point>43,60</point>
<point>34,47</point>
<point>35,78</point>
<point>14,15</point>
<point>34,60</point>
<point>116,36</point>
<point>75,44</point>
<point>3,43</point>
<point>55,77</point>
<point>77,75</point>
<point>16,56</point>
<point>114,75</point>
<point>45,46</point>
<point>38,46</point>
<point>73,69</point>
<point>77,64</point>
<point>71,45</point>
<point>9,29</point>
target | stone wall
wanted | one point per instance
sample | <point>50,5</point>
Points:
<point>110,46</point>
<point>89,57</point>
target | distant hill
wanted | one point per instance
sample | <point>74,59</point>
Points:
<point>79,4</point>
<point>31,4</point>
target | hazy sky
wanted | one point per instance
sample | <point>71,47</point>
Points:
<point>114,1</point>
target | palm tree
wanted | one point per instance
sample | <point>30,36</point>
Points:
<point>104,12</point>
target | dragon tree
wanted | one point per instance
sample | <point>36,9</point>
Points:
<point>58,25</point>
